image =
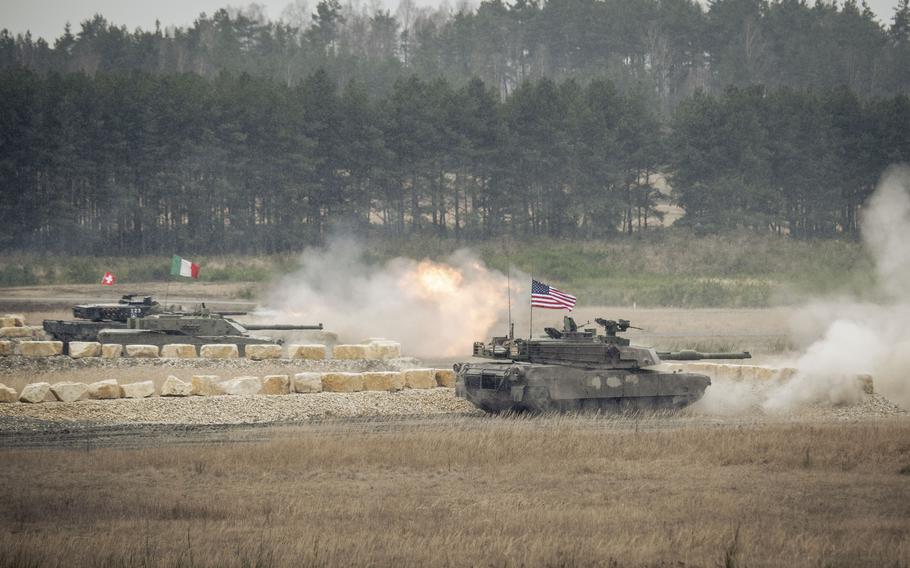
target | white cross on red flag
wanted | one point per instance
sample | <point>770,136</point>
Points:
<point>108,279</point>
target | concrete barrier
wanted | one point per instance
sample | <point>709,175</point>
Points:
<point>142,351</point>
<point>142,389</point>
<point>6,348</point>
<point>419,378</point>
<point>313,351</point>
<point>220,351</point>
<point>761,373</point>
<point>106,389</point>
<point>383,348</point>
<point>276,384</point>
<point>35,393</point>
<point>342,382</point>
<point>308,382</point>
<point>40,348</point>
<point>16,332</point>
<point>69,392</point>
<point>445,378</point>
<point>12,320</point>
<point>383,381</point>
<point>8,394</point>
<point>111,351</point>
<point>262,351</point>
<point>242,386</point>
<point>205,385</point>
<point>179,351</point>
<point>175,387</point>
<point>351,352</point>
<point>80,349</point>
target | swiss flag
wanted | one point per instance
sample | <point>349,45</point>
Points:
<point>108,279</point>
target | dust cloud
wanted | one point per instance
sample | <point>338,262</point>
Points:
<point>435,309</point>
<point>845,337</point>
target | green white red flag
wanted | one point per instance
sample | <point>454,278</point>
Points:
<point>183,267</point>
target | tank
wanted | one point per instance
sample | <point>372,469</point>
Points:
<point>199,328</point>
<point>92,318</point>
<point>571,370</point>
<point>141,320</point>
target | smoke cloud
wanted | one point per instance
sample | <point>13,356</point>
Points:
<point>845,337</point>
<point>435,309</point>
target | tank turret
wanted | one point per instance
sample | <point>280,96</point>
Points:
<point>574,368</point>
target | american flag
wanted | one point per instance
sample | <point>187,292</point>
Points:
<point>544,296</point>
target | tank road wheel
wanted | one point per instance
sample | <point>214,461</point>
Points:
<point>537,399</point>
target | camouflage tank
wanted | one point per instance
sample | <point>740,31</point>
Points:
<point>572,369</point>
<point>141,320</point>
<point>199,328</point>
<point>92,318</point>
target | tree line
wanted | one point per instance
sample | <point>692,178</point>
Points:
<point>140,163</point>
<point>673,48</point>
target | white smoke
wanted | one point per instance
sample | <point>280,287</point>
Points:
<point>846,337</point>
<point>434,309</point>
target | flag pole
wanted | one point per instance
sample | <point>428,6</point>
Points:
<point>531,323</point>
<point>509,284</point>
<point>167,288</point>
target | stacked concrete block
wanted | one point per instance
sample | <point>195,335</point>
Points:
<point>103,390</point>
<point>242,386</point>
<point>445,378</point>
<point>142,389</point>
<point>69,392</point>
<point>308,382</point>
<point>111,351</point>
<point>262,351</point>
<point>175,387</point>
<point>419,378</point>
<point>81,349</point>
<point>8,394</point>
<point>142,351</point>
<point>6,348</point>
<point>383,348</point>
<point>313,351</point>
<point>16,332</point>
<point>40,348</point>
<point>351,352</point>
<point>342,382</point>
<point>276,384</point>
<point>220,351</point>
<point>179,351</point>
<point>35,392</point>
<point>205,385</point>
<point>383,381</point>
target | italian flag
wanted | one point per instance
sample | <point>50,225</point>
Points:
<point>183,267</point>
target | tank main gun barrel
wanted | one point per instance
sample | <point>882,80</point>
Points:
<point>689,355</point>
<point>279,327</point>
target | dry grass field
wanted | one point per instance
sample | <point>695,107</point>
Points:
<point>546,491</point>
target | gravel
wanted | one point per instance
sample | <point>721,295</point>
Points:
<point>255,409</point>
<point>17,365</point>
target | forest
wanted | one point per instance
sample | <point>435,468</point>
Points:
<point>559,120</point>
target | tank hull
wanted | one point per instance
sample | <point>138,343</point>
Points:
<point>503,387</point>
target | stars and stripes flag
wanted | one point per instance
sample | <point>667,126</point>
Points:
<point>545,296</point>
